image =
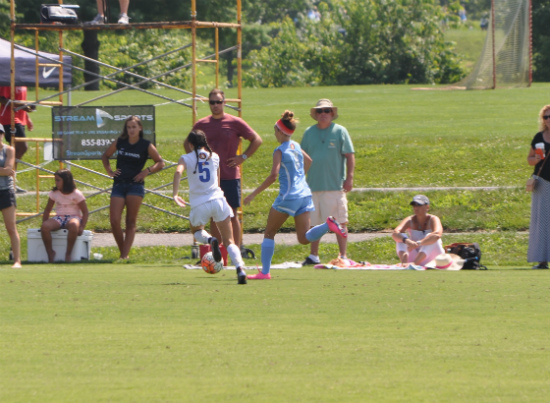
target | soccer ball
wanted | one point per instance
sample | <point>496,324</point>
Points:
<point>209,265</point>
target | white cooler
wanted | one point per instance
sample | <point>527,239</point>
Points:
<point>37,252</point>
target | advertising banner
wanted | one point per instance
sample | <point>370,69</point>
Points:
<point>85,132</point>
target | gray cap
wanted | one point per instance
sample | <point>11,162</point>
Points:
<point>420,200</point>
<point>2,129</point>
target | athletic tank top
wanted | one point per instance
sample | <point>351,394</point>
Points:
<point>292,178</point>
<point>6,182</point>
<point>131,158</point>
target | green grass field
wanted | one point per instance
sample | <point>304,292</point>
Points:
<point>404,138</point>
<point>468,43</point>
<point>150,331</point>
<point>93,333</point>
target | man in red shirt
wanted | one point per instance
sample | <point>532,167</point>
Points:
<point>223,133</point>
<point>22,119</point>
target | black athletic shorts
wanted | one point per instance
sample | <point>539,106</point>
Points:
<point>19,132</point>
<point>7,198</point>
<point>232,191</point>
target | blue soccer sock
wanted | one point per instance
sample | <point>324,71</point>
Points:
<point>268,250</point>
<point>317,232</point>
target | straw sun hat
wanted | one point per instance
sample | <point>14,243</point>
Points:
<point>324,103</point>
<point>447,261</point>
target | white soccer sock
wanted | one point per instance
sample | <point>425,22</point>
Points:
<point>202,236</point>
<point>315,258</point>
<point>235,255</point>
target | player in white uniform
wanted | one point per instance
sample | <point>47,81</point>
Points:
<point>207,199</point>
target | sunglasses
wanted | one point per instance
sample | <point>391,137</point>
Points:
<point>215,102</point>
<point>546,117</point>
<point>320,110</point>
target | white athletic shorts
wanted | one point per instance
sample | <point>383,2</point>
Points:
<point>431,251</point>
<point>217,209</point>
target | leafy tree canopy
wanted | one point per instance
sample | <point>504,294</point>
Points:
<point>359,42</point>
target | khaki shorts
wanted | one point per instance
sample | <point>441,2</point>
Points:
<point>329,203</point>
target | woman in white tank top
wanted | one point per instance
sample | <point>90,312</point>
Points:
<point>418,237</point>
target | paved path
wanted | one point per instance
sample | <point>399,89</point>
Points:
<point>106,239</point>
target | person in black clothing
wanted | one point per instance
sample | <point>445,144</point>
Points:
<point>129,187</point>
<point>539,228</point>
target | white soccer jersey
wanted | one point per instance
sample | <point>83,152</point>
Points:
<point>202,177</point>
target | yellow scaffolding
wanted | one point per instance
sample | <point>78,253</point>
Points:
<point>193,25</point>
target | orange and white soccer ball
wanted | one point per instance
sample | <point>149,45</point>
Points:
<point>209,265</point>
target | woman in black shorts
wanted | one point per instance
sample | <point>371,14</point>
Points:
<point>7,197</point>
<point>129,187</point>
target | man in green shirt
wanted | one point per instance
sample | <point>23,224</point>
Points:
<point>330,176</point>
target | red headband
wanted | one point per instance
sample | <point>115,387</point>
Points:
<point>281,126</point>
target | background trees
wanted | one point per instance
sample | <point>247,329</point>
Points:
<point>348,42</point>
<point>359,42</point>
<point>541,40</point>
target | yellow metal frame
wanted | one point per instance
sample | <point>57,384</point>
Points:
<point>193,25</point>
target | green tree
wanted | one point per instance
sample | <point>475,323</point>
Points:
<point>541,40</point>
<point>283,61</point>
<point>361,42</point>
<point>394,42</point>
<point>4,19</point>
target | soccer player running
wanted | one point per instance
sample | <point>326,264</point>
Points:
<point>207,199</point>
<point>290,164</point>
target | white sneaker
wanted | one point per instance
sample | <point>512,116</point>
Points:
<point>123,19</point>
<point>98,20</point>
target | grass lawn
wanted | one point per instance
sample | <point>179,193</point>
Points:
<point>157,333</point>
<point>468,44</point>
<point>403,138</point>
<point>149,331</point>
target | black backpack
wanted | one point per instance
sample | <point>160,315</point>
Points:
<point>470,252</point>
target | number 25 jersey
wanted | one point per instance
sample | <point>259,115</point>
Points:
<point>202,176</point>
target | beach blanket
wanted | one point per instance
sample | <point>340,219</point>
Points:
<point>285,265</point>
<point>348,264</point>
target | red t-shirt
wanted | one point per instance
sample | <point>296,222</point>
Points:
<point>223,137</point>
<point>5,110</point>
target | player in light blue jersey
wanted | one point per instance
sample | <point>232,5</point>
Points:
<point>290,164</point>
<point>207,199</point>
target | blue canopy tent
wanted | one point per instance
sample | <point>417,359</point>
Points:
<point>25,68</point>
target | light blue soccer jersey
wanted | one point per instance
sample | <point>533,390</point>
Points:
<point>292,178</point>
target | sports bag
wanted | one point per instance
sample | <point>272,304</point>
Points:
<point>60,14</point>
<point>470,252</point>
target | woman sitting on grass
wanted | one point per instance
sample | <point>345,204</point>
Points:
<point>71,213</point>
<point>418,237</point>
<point>290,164</point>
